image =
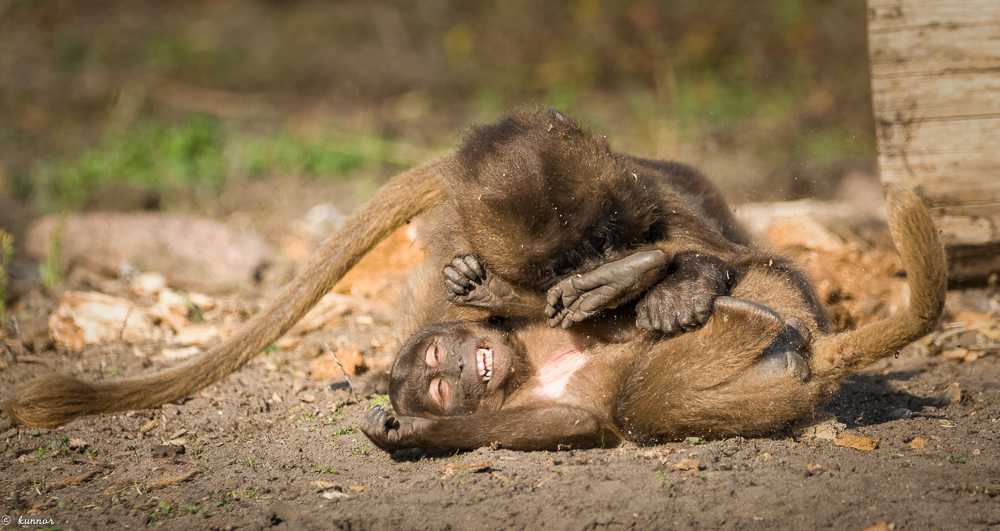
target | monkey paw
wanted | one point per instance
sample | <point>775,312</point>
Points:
<point>468,283</point>
<point>583,295</point>
<point>392,433</point>
<point>683,300</point>
<point>785,355</point>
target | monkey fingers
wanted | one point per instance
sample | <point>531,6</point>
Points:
<point>683,300</point>
<point>581,296</point>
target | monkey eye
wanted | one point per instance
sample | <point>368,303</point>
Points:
<point>434,355</point>
<point>438,391</point>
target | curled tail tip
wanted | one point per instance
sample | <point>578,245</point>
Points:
<point>897,195</point>
<point>917,240</point>
<point>923,256</point>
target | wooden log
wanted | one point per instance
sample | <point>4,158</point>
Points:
<point>935,68</point>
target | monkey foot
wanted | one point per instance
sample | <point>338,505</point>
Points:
<point>468,283</point>
<point>581,296</point>
<point>787,353</point>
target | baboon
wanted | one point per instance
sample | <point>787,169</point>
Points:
<point>759,363</point>
<point>572,229</point>
<point>565,229</point>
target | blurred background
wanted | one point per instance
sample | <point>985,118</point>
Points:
<point>242,109</point>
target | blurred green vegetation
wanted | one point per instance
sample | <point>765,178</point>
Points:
<point>193,157</point>
<point>151,157</point>
<point>182,97</point>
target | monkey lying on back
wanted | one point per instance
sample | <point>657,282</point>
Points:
<point>539,200</point>
<point>760,362</point>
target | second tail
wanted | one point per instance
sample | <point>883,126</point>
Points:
<point>837,356</point>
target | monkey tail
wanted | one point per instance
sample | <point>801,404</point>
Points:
<point>837,356</point>
<point>53,400</point>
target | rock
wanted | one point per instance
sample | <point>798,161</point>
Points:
<point>688,464</point>
<point>804,231</point>
<point>192,253</point>
<point>760,217</point>
<point>901,413</point>
<point>167,450</point>
<point>87,318</point>
<point>325,366</point>
<point>825,426</point>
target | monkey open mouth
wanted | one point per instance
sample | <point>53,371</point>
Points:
<point>484,361</point>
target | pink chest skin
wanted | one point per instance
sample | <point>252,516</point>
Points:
<point>555,374</point>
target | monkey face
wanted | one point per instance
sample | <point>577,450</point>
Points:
<point>450,369</point>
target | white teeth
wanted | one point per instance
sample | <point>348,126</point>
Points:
<point>484,362</point>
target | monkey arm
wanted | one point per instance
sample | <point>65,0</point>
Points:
<point>527,429</point>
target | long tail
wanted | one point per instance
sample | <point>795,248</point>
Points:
<point>837,356</point>
<point>53,400</point>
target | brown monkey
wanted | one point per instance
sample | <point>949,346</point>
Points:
<point>551,210</point>
<point>759,363</point>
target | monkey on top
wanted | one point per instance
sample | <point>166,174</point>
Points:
<point>572,297</point>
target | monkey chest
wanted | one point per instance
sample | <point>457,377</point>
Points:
<point>574,379</point>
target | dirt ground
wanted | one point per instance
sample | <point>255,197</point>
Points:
<point>910,443</point>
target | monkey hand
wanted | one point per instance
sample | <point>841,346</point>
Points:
<point>468,283</point>
<point>581,296</point>
<point>684,299</point>
<point>392,433</point>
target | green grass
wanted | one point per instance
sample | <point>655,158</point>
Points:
<point>197,157</point>
<point>151,157</point>
<point>286,154</point>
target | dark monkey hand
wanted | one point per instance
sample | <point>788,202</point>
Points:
<point>468,283</point>
<point>683,300</point>
<point>392,433</point>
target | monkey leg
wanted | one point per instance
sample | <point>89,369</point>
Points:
<point>683,300</point>
<point>536,428</point>
<point>468,283</point>
<point>743,373</point>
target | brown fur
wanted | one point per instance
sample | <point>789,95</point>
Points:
<point>537,198</point>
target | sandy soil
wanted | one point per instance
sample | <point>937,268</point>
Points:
<point>272,447</point>
<point>252,462</point>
